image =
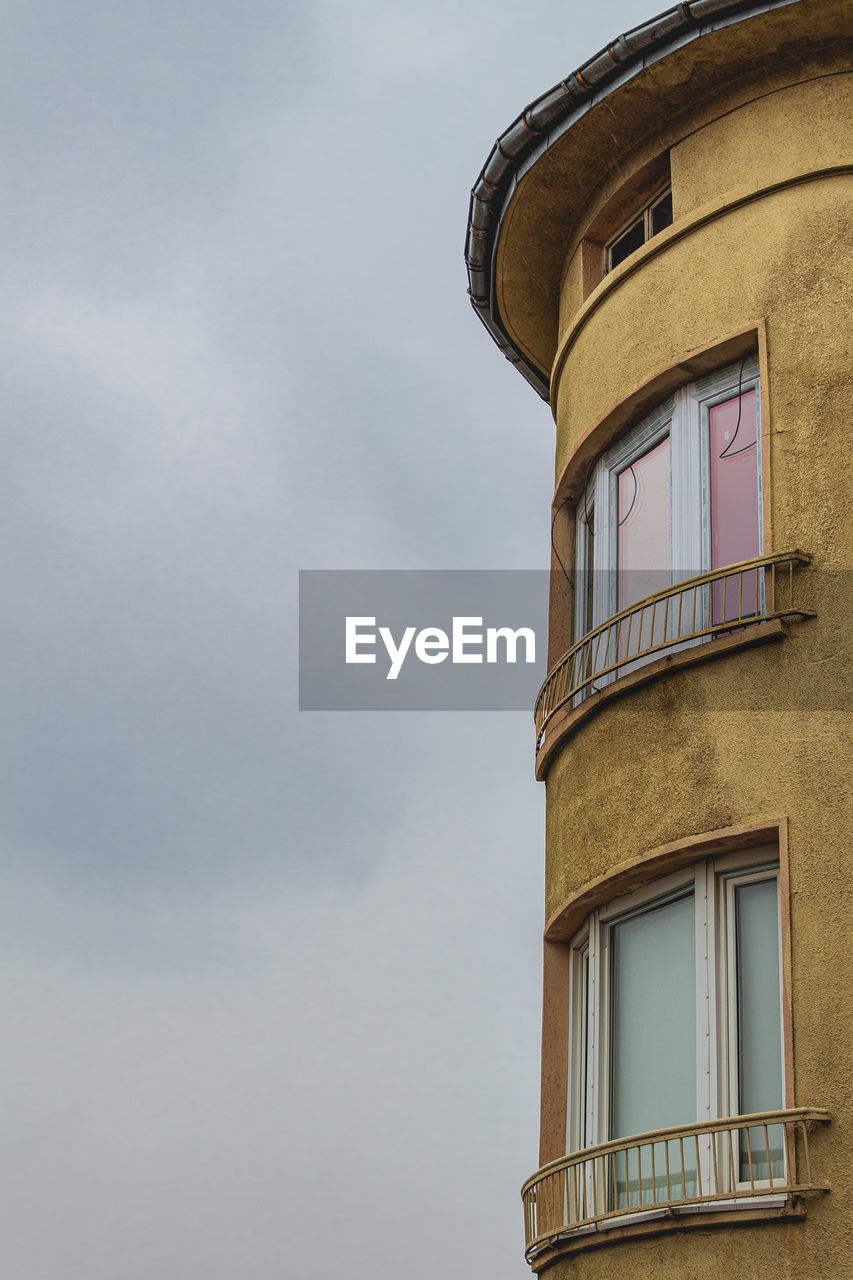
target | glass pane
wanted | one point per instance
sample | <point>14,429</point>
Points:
<point>662,214</point>
<point>585,1045</point>
<point>627,243</point>
<point>759,1024</point>
<point>653,1049</point>
<point>645,556</point>
<point>734,504</point>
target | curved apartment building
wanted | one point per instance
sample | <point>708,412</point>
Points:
<point>663,245</point>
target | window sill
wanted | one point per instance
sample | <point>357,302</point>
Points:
<point>657,1222</point>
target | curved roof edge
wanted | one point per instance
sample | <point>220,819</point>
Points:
<point>547,118</point>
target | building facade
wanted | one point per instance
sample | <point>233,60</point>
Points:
<point>663,245</point>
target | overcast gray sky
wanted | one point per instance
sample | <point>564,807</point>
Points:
<point>270,982</point>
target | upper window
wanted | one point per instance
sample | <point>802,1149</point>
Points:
<point>678,496</point>
<point>677,1017</point>
<point>656,215</point>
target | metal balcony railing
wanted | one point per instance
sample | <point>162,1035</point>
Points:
<point>714,1162</point>
<point>688,612</point>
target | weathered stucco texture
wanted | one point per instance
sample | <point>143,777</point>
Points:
<point>763,239</point>
<point>658,109</point>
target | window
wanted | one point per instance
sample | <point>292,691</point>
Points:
<point>678,495</point>
<point>676,1017</point>
<point>642,226</point>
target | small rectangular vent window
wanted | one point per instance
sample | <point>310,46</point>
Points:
<point>662,213</point>
<point>629,240</point>
<point>649,222</point>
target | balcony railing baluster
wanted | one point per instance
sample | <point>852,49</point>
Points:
<point>601,655</point>
<point>585,1188</point>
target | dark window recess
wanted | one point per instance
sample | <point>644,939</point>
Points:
<point>654,218</point>
<point>662,214</point>
<point>629,240</point>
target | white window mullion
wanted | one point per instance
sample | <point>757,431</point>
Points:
<point>583,537</point>
<point>687,544</point>
<point>761,1087</point>
<point>596,1070</point>
<point>687,557</point>
<point>706,1015</point>
<point>604,555</point>
<point>728,944</point>
<point>595,1065</point>
<point>578,1048</point>
<point>705,989</point>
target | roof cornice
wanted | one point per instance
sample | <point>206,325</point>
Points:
<point>548,118</point>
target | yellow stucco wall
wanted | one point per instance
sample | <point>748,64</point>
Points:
<point>763,237</point>
<point>783,259</point>
<point>792,121</point>
<point>775,135</point>
<point>666,102</point>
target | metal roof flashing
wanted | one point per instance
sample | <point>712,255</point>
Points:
<point>549,118</point>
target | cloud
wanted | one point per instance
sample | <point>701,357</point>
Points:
<point>270,980</point>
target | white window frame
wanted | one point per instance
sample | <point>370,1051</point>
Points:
<point>685,417</point>
<point>741,871</point>
<point>581,1033</point>
<point>643,215</point>
<point>712,883</point>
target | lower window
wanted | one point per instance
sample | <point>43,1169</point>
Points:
<point>677,1017</point>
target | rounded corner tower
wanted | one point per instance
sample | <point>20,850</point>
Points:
<point>663,245</point>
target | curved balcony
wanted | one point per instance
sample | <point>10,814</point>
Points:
<point>687,613</point>
<point>761,1158</point>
